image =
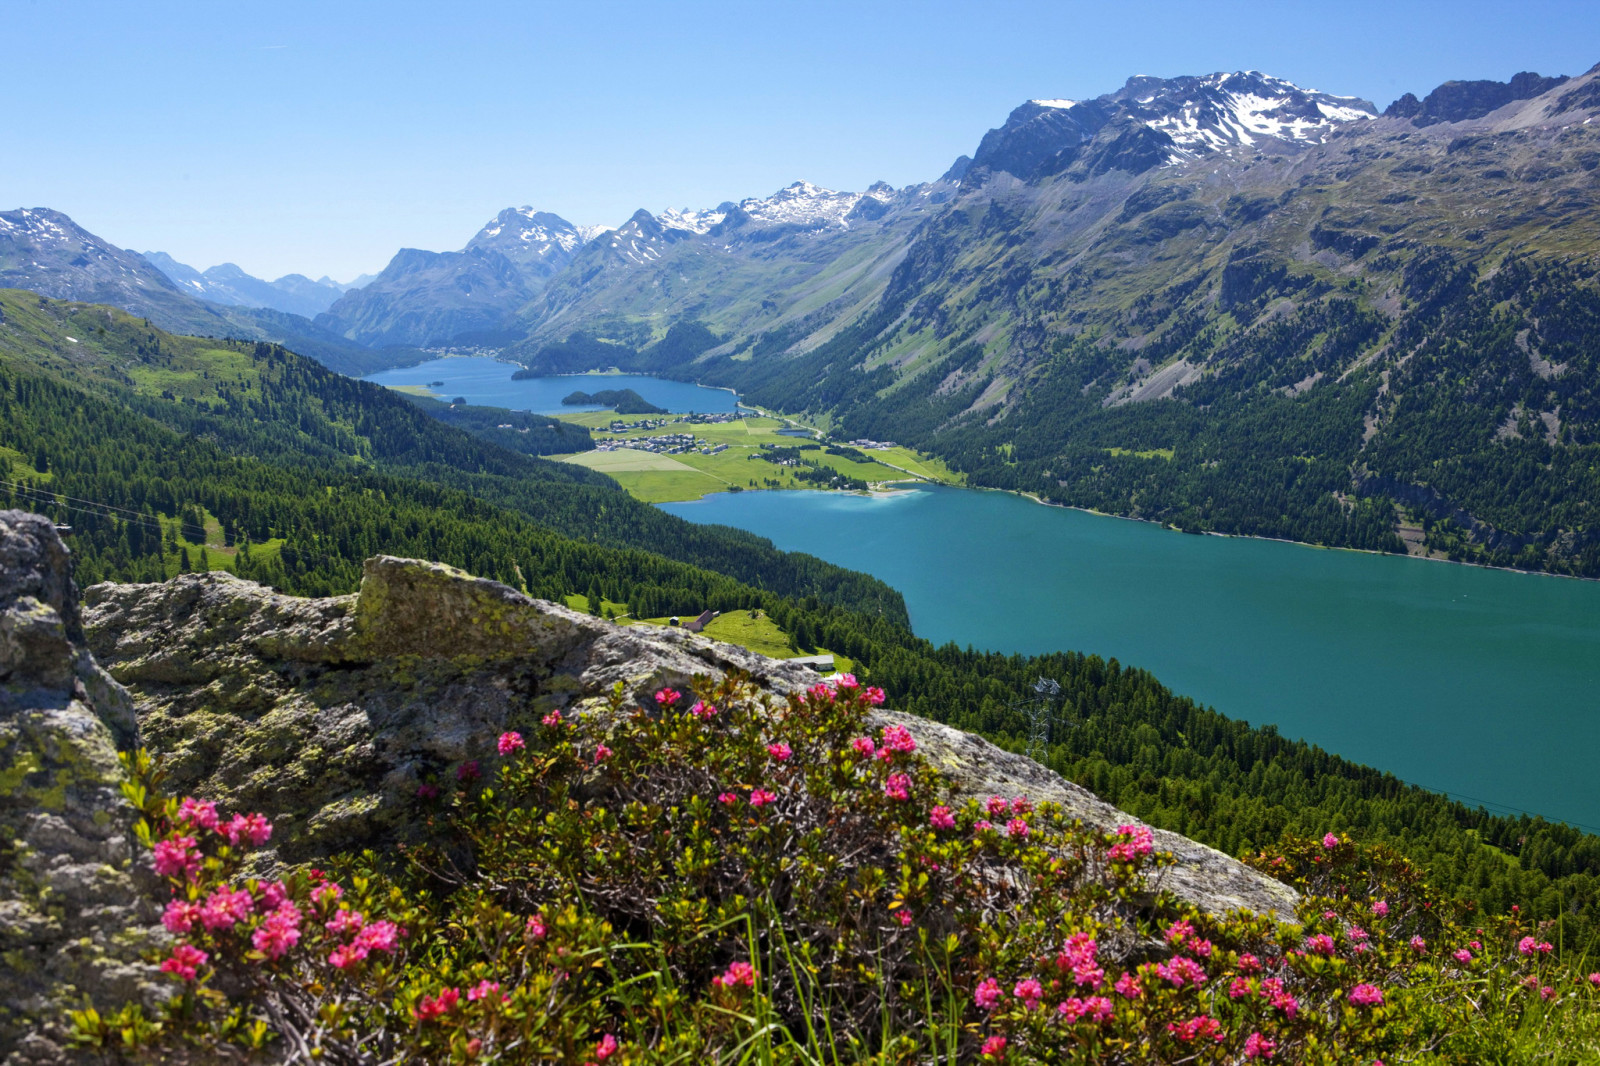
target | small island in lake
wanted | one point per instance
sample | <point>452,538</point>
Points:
<point>624,401</point>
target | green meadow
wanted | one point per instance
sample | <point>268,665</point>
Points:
<point>657,478</point>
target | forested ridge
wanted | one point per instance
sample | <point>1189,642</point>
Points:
<point>318,473</point>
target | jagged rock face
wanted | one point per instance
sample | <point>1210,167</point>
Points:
<point>1457,101</point>
<point>73,923</point>
<point>329,714</point>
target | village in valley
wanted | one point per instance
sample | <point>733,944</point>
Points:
<point>661,458</point>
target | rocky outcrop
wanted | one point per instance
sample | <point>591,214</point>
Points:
<point>73,924</point>
<point>329,714</point>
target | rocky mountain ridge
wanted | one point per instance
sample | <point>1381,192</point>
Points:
<point>328,714</point>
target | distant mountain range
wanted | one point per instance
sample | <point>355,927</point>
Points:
<point>1350,311</point>
<point>228,284</point>
<point>46,252</point>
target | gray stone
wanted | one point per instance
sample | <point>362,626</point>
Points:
<point>73,921</point>
<point>329,713</point>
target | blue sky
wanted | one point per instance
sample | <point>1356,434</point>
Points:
<point>320,137</point>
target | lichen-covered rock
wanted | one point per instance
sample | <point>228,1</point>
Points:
<point>73,923</point>
<point>328,714</point>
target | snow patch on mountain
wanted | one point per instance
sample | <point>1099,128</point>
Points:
<point>799,204</point>
<point>1221,110</point>
<point>1059,104</point>
<point>693,221</point>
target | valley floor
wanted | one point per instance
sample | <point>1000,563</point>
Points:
<point>660,459</point>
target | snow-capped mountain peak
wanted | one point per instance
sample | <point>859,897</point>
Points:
<point>1181,118</point>
<point>534,232</point>
<point>800,204</point>
<point>1221,110</point>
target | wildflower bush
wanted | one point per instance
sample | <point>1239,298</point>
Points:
<point>723,877</point>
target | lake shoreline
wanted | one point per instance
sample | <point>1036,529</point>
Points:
<point>1277,540</point>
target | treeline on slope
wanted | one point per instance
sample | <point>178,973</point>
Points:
<point>1476,408</point>
<point>263,401</point>
<point>517,431</point>
<point>119,478</point>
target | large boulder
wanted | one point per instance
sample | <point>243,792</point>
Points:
<point>73,921</point>
<point>329,714</point>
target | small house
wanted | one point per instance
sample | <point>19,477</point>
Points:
<point>695,625</point>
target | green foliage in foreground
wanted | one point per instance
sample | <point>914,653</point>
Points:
<point>730,880</point>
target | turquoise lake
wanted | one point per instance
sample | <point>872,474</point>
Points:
<point>1481,683</point>
<point>489,382</point>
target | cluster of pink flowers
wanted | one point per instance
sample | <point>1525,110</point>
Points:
<point>737,975</point>
<point>1200,1027</point>
<point>1330,841</point>
<point>279,932</point>
<point>1257,1046</point>
<point>994,1047</point>
<point>897,740</point>
<point>369,937</point>
<point>667,697</point>
<point>761,797</point>
<point>941,817</point>
<point>247,827</point>
<point>509,742</point>
<point>1320,944</point>
<point>1095,1008</point>
<point>185,962</point>
<point>1017,828</point>
<point>1181,970</point>
<point>1137,840</point>
<point>897,787</point>
<point>601,754</point>
<point>1365,995</point>
<point>431,1008</point>
<point>199,813</point>
<point>864,746</point>
<point>552,719</point>
<point>606,1048</point>
<point>1029,991</point>
<point>780,751</point>
<point>1079,956</point>
<point>486,990</point>
<point>988,994</point>
<point>703,710</point>
<point>536,929</point>
<point>176,856</point>
<point>1529,945</point>
<point>1381,908</point>
<point>1270,989</point>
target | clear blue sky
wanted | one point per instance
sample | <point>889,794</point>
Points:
<point>320,137</point>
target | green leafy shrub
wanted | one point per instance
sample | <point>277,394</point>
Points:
<point>725,878</point>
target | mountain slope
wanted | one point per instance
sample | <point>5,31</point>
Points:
<point>228,284</point>
<point>260,402</point>
<point>1365,332</point>
<point>46,252</point>
<point>466,297</point>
